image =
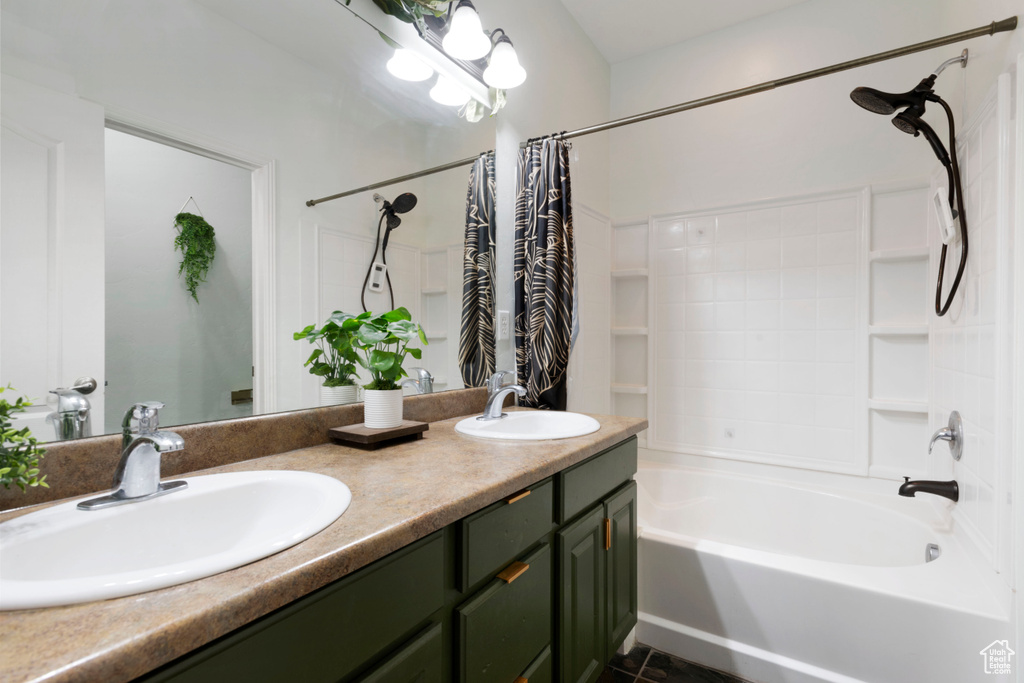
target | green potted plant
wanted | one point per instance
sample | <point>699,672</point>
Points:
<point>383,342</point>
<point>19,450</point>
<point>334,359</point>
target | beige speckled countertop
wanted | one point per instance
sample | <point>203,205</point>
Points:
<point>400,494</point>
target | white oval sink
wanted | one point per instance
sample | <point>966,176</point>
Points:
<point>63,555</point>
<point>532,425</point>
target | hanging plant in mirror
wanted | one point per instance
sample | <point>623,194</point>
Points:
<point>196,243</point>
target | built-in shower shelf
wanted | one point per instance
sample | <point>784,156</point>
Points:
<point>898,330</point>
<point>434,290</point>
<point>909,254</point>
<point>630,331</point>
<point>629,389</point>
<point>630,272</point>
<point>898,406</point>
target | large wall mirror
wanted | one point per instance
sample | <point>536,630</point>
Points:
<point>119,115</point>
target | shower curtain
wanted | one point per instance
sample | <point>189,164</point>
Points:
<point>545,274</point>
<point>476,335</point>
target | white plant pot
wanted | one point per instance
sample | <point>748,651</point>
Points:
<point>339,396</point>
<point>382,409</point>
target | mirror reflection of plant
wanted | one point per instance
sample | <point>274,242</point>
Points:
<point>384,343</point>
<point>19,450</point>
<point>197,246</point>
<point>335,358</point>
<point>411,11</point>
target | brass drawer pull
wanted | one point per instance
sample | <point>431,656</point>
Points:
<point>607,534</point>
<point>513,571</point>
<point>517,497</point>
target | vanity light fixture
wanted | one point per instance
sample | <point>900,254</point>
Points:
<point>407,66</point>
<point>466,38</point>
<point>504,70</point>
<point>447,91</point>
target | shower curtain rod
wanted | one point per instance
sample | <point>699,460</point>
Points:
<point>991,29</point>
<point>401,179</point>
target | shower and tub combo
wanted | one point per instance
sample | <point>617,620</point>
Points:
<point>781,583</point>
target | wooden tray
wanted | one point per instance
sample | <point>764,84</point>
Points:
<point>361,436</point>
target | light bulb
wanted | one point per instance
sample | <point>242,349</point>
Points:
<point>407,66</point>
<point>466,38</point>
<point>447,91</point>
<point>504,70</point>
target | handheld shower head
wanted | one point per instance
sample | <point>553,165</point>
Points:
<point>887,103</point>
<point>404,203</point>
<point>915,125</point>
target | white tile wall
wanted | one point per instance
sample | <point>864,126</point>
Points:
<point>755,326</point>
<point>966,355</point>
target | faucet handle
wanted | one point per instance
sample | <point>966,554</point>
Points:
<point>147,413</point>
<point>496,380</point>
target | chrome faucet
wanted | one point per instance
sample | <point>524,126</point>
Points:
<point>137,476</point>
<point>497,393</point>
<point>953,432</point>
<point>946,489</point>
<point>423,382</point>
<point>72,417</point>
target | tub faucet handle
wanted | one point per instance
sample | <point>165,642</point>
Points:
<point>953,432</point>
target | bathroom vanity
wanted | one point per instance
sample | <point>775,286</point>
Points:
<point>459,559</point>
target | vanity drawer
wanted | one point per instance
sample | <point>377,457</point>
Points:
<point>588,482</point>
<point>331,633</point>
<point>494,536</point>
<point>503,627</point>
<point>421,660</point>
<point>539,670</point>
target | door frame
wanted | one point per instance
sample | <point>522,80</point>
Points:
<point>264,235</point>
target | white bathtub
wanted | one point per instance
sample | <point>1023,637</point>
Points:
<point>777,583</point>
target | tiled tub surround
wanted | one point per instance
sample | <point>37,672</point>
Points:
<point>971,354</point>
<point>755,349</point>
<point>400,494</point>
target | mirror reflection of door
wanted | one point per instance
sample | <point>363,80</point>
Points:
<point>161,344</point>
<point>51,247</point>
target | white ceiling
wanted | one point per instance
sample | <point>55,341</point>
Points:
<point>622,30</point>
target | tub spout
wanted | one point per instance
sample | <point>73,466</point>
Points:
<point>946,489</point>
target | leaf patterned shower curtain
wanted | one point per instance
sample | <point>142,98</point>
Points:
<point>476,336</point>
<point>545,274</point>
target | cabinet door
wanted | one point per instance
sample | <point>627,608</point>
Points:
<point>419,661</point>
<point>620,511</point>
<point>581,574</point>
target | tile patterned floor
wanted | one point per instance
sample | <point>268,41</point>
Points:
<point>645,665</point>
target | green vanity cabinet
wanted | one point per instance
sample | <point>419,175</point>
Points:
<point>335,632</point>
<point>421,660</point>
<point>597,585</point>
<point>505,625</point>
<point>537,587</point>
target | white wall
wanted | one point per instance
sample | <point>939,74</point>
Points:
<point>161,344</point>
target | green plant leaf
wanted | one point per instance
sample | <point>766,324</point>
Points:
<point>422,335</point>
<point>400,313</point>
<point>313,356</point>
<point>369,335</point>
<point>195,241</point>
<point>382,361</point>
<point>415,353</point>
